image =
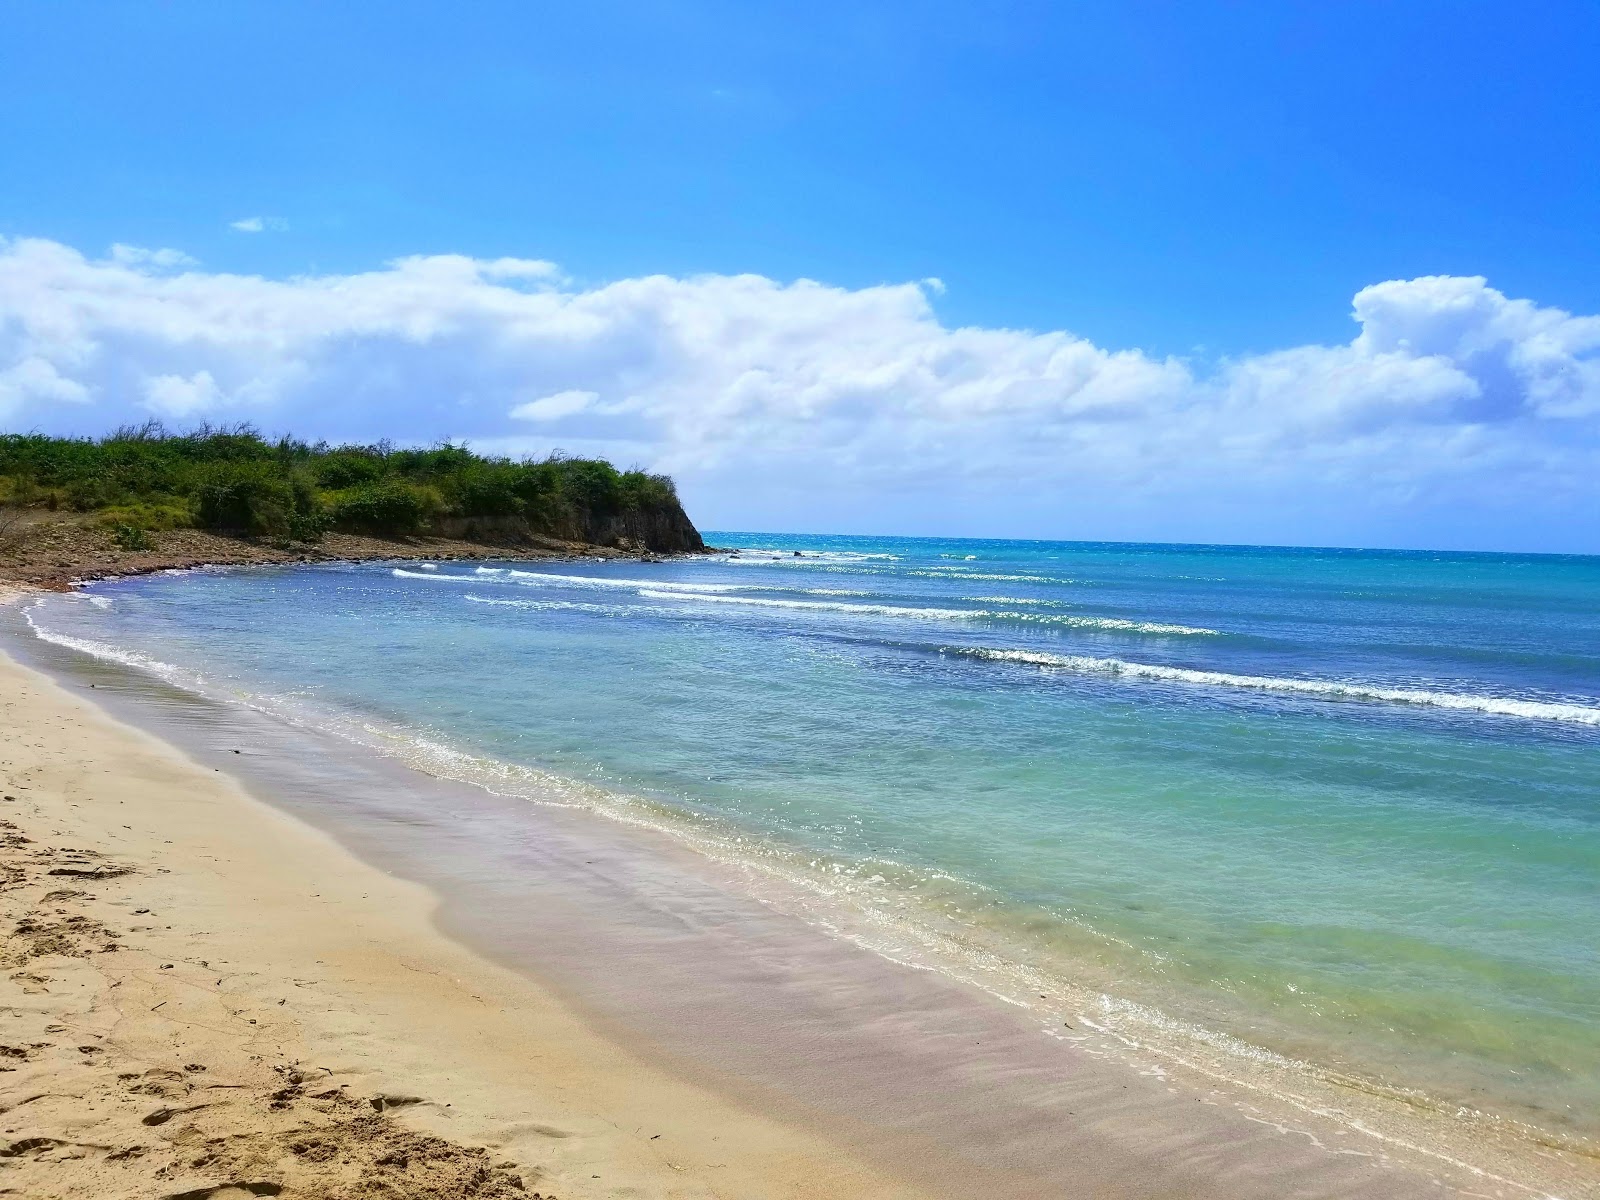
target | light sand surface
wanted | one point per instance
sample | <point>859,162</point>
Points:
<point>203,997</point>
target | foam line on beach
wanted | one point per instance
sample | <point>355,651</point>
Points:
<point>117,654</point>
<point>1327,689</point>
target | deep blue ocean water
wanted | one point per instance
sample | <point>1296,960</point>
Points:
<point>1344,805</point>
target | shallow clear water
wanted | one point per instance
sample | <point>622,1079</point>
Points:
<point>1342,804</point>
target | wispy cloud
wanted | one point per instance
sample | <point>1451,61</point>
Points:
<point>1449,392</point>
<point>139,256</point>
<point>259,225</point>
<point>552,408</point>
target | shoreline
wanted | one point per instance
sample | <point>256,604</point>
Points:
<point>269,991</point>
<point>56,554</point>
<point>1128,1175</point>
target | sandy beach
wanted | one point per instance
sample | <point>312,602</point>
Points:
<point>384,984</point>
<point>206,998</point>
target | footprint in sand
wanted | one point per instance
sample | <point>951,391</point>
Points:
<point>388,1103</point>
<point>228,1191</point>
<point>162,1115</point>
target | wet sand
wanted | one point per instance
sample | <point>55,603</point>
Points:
<point>563,989</point>
<point>277,1017</point>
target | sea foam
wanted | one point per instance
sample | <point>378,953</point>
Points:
<point>959,574</point>
<point>1327,689</point>
<point>940,614</point>
<point>549,578</point>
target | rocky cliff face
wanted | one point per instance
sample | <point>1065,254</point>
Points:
<point>665,529</point>
<point>661,529</point>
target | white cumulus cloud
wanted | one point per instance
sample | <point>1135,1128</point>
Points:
<point>180,396</point>
<point>1448,393</point>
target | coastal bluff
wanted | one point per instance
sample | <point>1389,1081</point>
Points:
<point>144,499</point>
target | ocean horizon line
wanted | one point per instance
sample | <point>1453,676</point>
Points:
<point>1334,548</point>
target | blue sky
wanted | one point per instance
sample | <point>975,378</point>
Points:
<point>1203,184</point>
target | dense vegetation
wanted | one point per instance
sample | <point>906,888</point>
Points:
<point>233,480</point>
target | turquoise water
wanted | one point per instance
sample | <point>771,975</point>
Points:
<point>1341,804</point>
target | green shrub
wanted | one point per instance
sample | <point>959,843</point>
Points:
<point>537,482</point>
<point>487,492</point>
<point>245,498</point>
<point>392,506</point>
<point>431,464</point>
<point>155,512</point>
<point>309,526</point>
<point>86,495</point>
<point>593,485</point>
<point>131,537</point>
<point>232,479</point>
<point>642,490</point>
<point>348,468</point>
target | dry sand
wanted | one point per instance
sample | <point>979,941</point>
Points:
<point>205,998</point>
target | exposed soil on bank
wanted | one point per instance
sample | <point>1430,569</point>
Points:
<point>54,550</point>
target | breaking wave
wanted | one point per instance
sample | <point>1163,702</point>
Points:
<point>1327,689</point>
<point>938,614</point>
<point>541,578</point>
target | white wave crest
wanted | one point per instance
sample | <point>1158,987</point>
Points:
<point>434,576</point>
<point>719,592</point>
<point>757,553</point>
<point>990,576</point>
<point>937,614</point>
<point>1328,689</point>
<point>549,578</point>
<point>485,575</point>
<point>538,577</point>
<point>722,588</point>
<point>810,558</point>
<point>604,610</point>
